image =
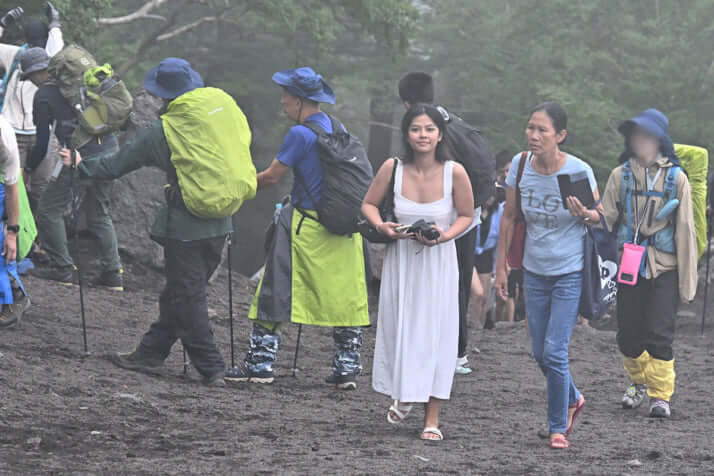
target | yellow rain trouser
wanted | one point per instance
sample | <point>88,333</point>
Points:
<point>660,379</point>
<point>637,367</point>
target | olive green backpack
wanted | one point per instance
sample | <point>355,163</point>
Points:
<point>100,99</point>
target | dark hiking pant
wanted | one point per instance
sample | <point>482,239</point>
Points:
<point>264,343</point>
<point>465,254</point>
<point>646,316</point>
<point>54,203</point>
<point>183,308</point>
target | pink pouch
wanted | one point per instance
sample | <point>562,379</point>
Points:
<point>630,263</point>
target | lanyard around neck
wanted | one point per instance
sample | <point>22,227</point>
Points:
<point>640,219</point>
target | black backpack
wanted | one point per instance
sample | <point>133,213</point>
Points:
<point>346,177</point>
<point>469,147</point>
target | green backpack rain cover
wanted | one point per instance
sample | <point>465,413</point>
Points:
<point>695,160</point>
<point>209,139</point>
<point>28,230</point>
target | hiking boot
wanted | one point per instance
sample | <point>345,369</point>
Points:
<point>216,380</point>
<point>660,408</point>
<point>343,382</point>
<point>111,280</point>
<point>12,313</point>
<point>243,374</point>
<point>138,361</point>
<point>63,275</point>
<point>39,256</point>
<point>634,396</point>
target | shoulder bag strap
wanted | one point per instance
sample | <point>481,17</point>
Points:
<point>389,199</point>
<point>519,176</point>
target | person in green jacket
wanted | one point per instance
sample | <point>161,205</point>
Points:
<point>192,246</point>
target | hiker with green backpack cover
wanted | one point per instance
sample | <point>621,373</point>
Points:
<point>202,142</point>
<point>58,105</point>
<point>648,201</point>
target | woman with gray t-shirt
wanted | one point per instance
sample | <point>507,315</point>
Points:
<point>553,257</point>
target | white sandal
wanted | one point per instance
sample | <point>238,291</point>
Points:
<point>433,431</point>
<point>401,411</point>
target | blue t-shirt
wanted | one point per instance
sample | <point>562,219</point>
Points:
<point>491,240</point>
<point>300,152</point>
<point>554,238</point>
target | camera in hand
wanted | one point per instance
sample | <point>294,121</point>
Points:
<point>426,230</point>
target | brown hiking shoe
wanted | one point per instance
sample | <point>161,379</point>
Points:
<point>138,361</point>
<point>12,313</point>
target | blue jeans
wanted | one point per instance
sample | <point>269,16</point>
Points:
<point>552,308</point>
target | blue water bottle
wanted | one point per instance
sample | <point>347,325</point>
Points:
<point>276,215</point>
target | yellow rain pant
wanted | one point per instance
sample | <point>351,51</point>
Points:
<point>328,276</point>
<point>317,278</point>
<point>637,368</point>
<point>660,379</point>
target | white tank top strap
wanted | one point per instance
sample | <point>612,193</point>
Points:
<point>398,178</point>
<point>448,178</point>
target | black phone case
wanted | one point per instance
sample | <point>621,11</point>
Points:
<point>580,189</point>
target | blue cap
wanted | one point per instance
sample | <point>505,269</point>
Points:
<point>172,78</point>
<point>33,60</point>
<point>305,83</point>
<point>655,123</point>
<point>652,121</point>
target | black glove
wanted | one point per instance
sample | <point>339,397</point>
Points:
<point>11,17</point>
<point>53,15</point>
<point>173,196</point>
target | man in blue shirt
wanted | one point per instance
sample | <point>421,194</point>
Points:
<point>311,276</point>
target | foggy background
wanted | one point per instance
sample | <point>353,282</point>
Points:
<point>604,60</point>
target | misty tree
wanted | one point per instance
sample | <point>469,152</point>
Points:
<point>603,60</point>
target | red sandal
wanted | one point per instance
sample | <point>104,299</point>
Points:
<point>559,442</point>
<point>578,408</point>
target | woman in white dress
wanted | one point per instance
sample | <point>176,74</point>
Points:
<point>417,332</point>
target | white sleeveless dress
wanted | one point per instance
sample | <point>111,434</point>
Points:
<point>418,320</point>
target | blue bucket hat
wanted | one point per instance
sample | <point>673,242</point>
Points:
<point>172,78</point>
<point>305,83</point>
<point>33,60</point>
<point>655,123</point>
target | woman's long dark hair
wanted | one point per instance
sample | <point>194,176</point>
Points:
<point>442,153</point>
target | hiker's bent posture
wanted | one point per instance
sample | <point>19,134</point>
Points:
<point>311,275</point>
<point>200,126</point>
<point>648,197</point>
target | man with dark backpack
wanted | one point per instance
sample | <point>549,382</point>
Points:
<point>470,148</point>
<point>315,271</point>
<point>202,142</point>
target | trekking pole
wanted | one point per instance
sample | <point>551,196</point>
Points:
<point>297,348</point>
<point>706,279</point>
<point>75,233</point>
<point>230,296</point>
